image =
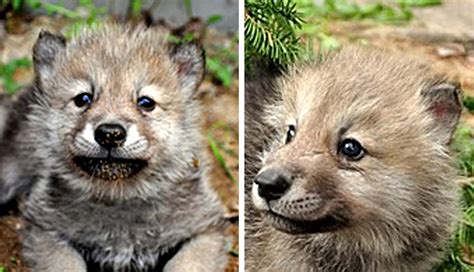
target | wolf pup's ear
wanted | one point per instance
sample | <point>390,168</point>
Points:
<point>45,51</point>
<point>444,104</point>
<point>189,59</point>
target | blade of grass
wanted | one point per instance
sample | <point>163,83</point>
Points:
<point>227,130</point>
<point>234,252</point>
<point>188,6</point>
<point>220,159</point>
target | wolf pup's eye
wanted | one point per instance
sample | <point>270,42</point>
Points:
<point>146,103</point>
<point>352,149</point>
<point>83,99</point>
<point>290,134</point>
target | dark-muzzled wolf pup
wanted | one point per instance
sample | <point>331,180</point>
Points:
<point>108,146</point>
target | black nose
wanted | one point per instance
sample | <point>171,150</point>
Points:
<point>110,135</point>
<point>272,184</point>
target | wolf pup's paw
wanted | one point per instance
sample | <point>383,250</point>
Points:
<point>206,252</point>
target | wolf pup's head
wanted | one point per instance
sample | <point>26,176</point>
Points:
<point>360,147</point>
<point>117,110</point>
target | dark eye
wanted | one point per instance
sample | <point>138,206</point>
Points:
<point>146,103</point>
<point>83,99</point>
<point>352,149</point>
<point>290,134</point>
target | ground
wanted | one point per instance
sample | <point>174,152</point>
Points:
<point>17,36</point>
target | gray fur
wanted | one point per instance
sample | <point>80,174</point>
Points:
<point>396,206</point>
<point>125,224</point>
<point>4,110</point>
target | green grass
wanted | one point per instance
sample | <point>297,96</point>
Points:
<point>220,64</point>
<point>216,151</point>
<point>233,251</point>
<point>318,18</point>
<point>463,144</point>
<point>468,102</point>
<point>7,72</point>
<point>218,148</point>
<point>346,10</point>
<point>461,254</point>
<point>78,16</point>
<point>220,70</point>
<point>419,3</point>
<point>213,19</point>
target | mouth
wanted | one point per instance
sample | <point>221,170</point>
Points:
<point>326,223</point>
<point>110,168</point>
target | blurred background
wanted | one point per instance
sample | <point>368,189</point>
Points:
<point>175,12</point>
<point>213,23</point>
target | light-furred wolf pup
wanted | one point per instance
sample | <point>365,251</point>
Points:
<point>347,165</point>
<point>109,142</point>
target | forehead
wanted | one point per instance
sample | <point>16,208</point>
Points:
<point>119,57</point>
<point>370,93</point>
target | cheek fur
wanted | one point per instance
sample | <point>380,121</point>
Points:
<point>165,133</point>
<point>385,193</point>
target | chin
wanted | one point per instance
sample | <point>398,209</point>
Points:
<point>110,168</point>
<point>327,223</point>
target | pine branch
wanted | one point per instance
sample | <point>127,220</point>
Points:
<point>270,30</point>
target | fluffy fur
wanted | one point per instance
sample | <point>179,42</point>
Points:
<point>4,109</point>
<point>392,210</point>
<point>165,216</point>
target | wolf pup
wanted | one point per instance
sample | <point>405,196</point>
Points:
<point>108,142</point>
<point>347,165</point>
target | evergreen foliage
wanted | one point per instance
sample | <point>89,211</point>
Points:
<point>270,30</point>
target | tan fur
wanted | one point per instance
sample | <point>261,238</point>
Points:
<point>398,202</point>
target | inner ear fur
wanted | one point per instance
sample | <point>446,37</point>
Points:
<point>444,104</point>
<point>189,58</point>
<point>45,50</point>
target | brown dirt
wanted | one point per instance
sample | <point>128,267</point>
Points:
<point>9,244</point>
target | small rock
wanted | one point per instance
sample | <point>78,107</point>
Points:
<point>470,58</point>
<point>207,89</point>
<point>450,50</point>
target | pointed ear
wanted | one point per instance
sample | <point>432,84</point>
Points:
<point>45,51</point>
<point>189,59</point>
<point>444,105</point>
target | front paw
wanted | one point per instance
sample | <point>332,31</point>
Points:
<point>205,252</point>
